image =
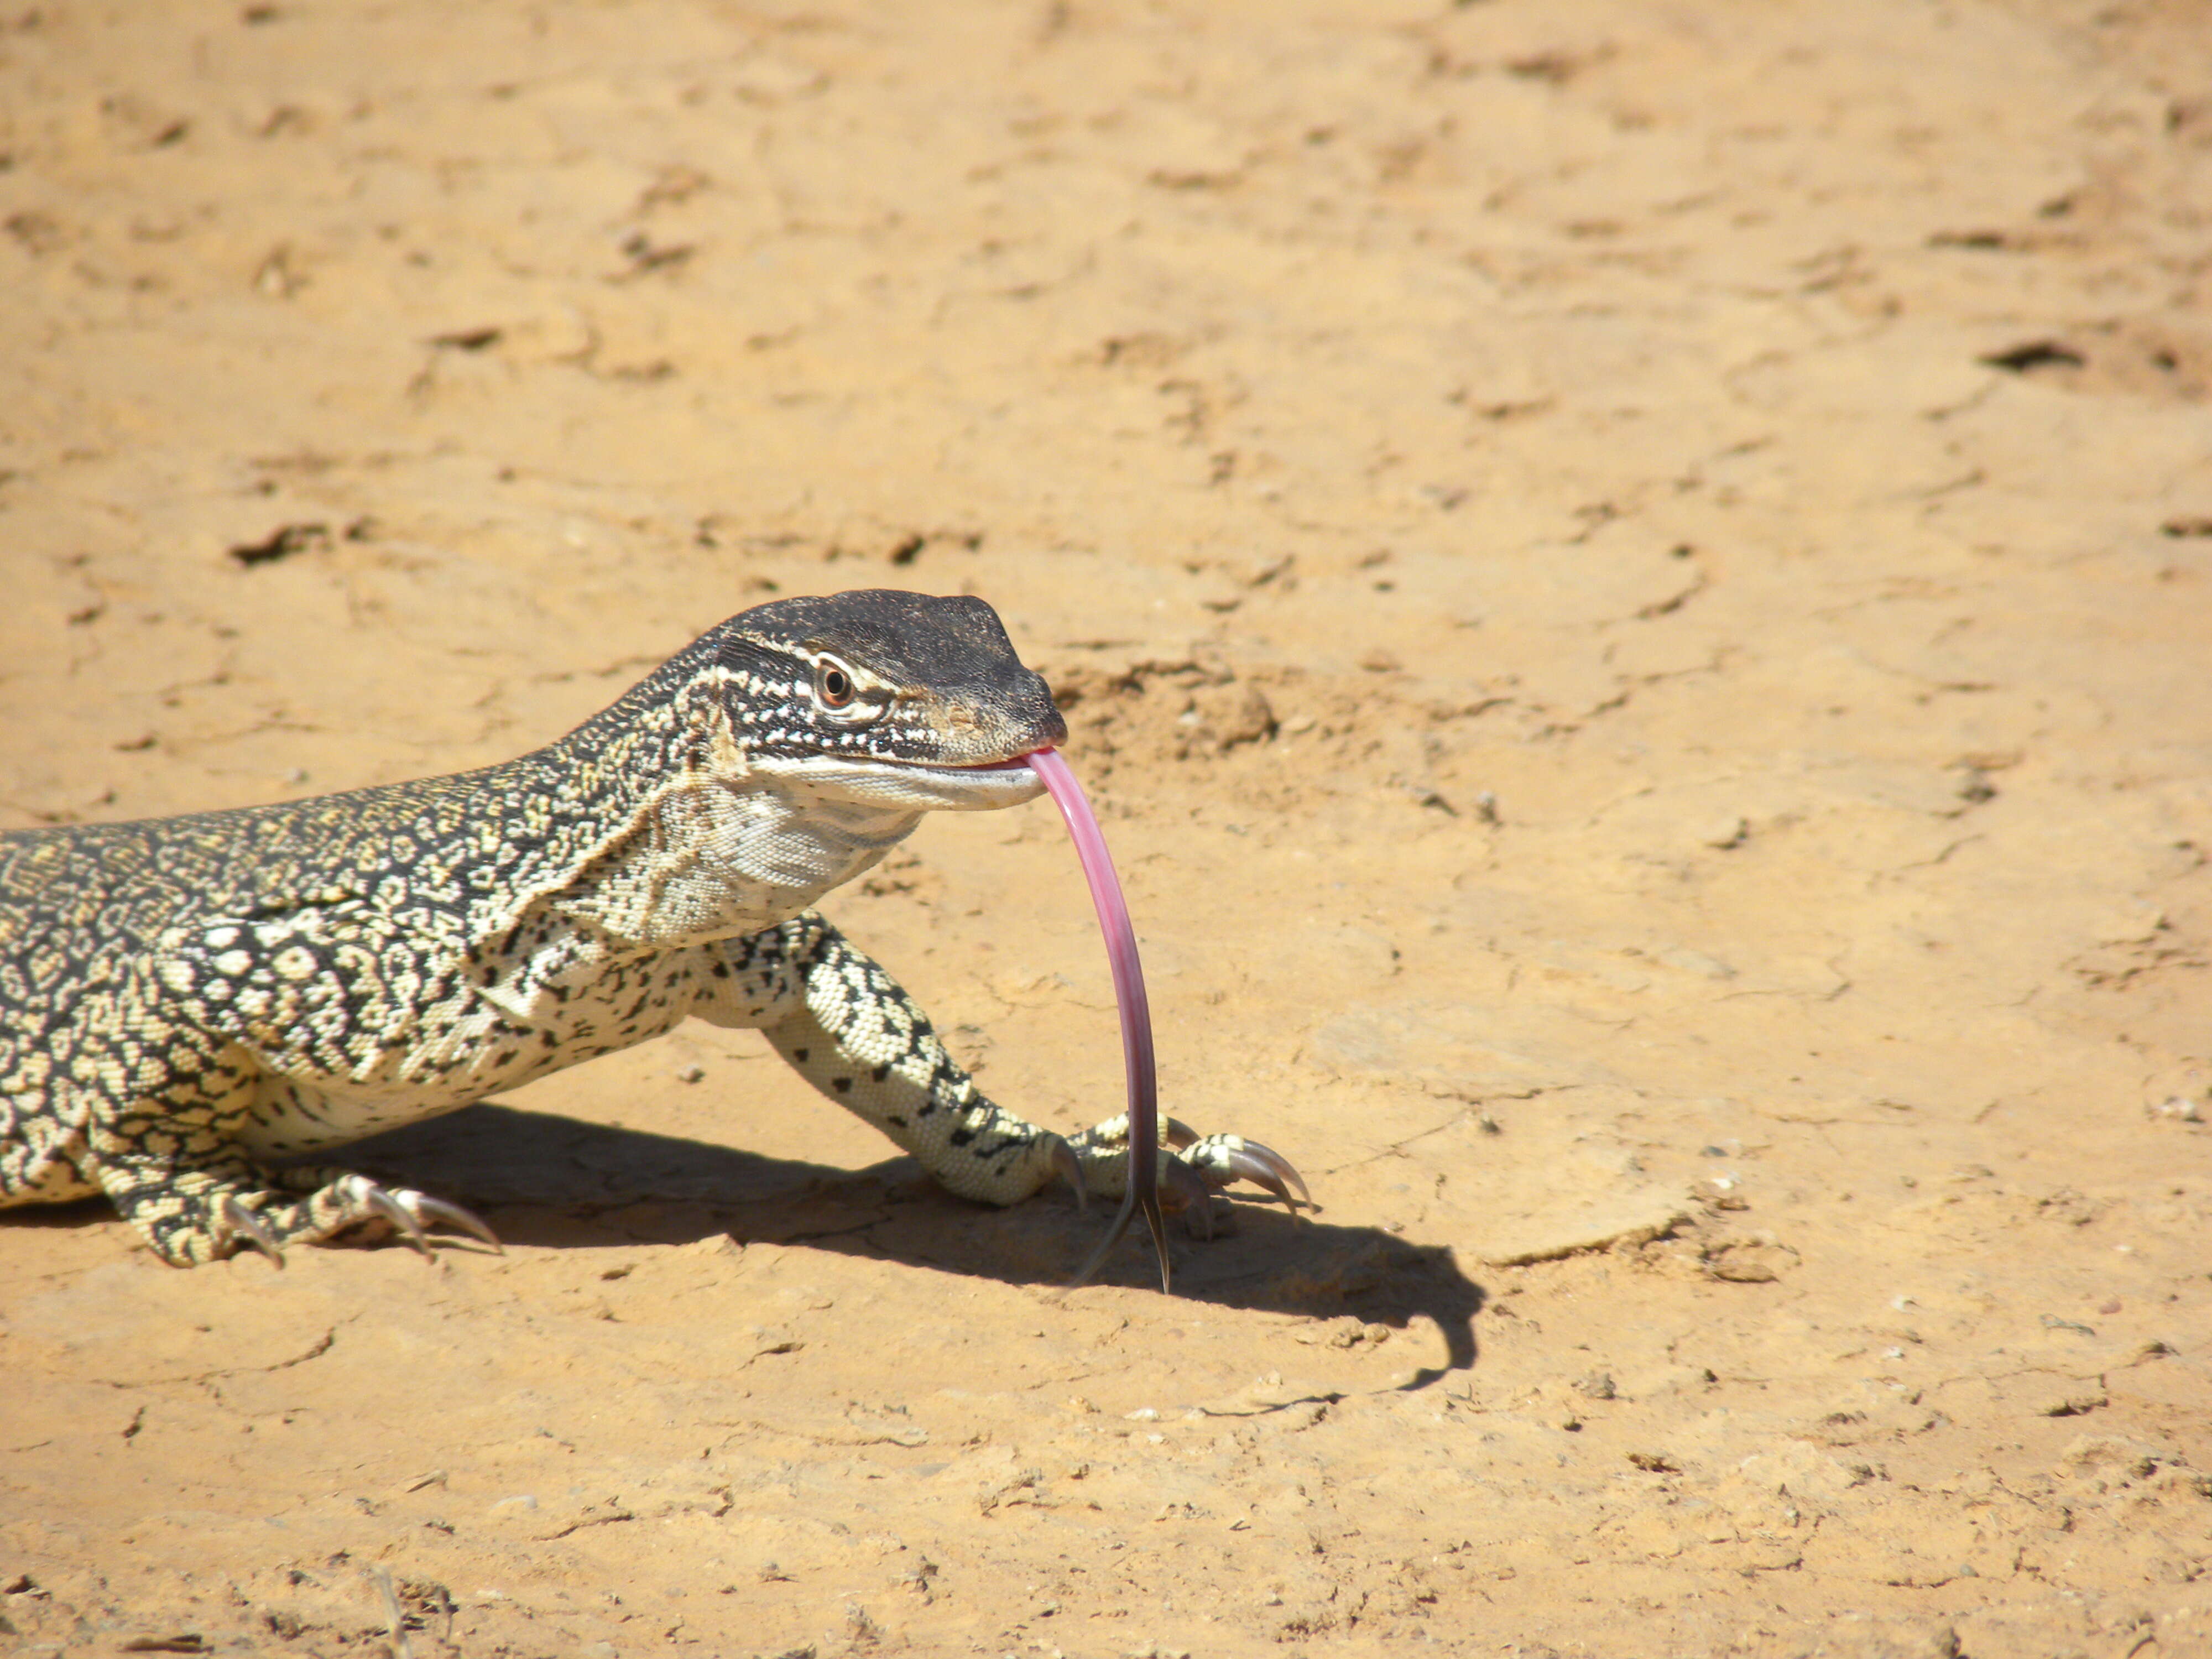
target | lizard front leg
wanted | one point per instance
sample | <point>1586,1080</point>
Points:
<point>849,1029</point>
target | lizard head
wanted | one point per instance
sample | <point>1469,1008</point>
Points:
<point>900,698</point>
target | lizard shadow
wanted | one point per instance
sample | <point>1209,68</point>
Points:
<point>560,1182</point>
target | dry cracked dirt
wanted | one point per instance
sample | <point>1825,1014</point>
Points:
<point>1632,581</point>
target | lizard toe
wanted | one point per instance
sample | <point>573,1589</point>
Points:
<point>1229,1158</point>
<point>1213,1161</point>
<point>430,1212</point>
<point>1069,1168</point>
<point>413,1213</point>
<point>377,1201</point>
<point>243,1224</point>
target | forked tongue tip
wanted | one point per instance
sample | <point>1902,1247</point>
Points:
<point>1137,1061</point>
<point>1155,1219</point>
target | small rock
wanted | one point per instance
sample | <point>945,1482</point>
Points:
<point>2137,1457</point>
<point>1726,835</point>
<point>1753,1261</point>
<point>1719,1192</point>
<point>2078,1404</point>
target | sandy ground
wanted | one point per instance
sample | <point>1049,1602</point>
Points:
<point>1634,582</point>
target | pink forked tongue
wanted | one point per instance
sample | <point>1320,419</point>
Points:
<point>1144,1192</point>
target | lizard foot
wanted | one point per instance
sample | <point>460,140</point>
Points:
<point>1221,1161</point>
<point>414,1213</point>
<point>338,1202</point>
<point>240,1223</point>
<point>203,1213</point>
<point>1193,1168</point>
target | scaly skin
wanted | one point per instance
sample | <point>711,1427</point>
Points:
<point>184,999</point>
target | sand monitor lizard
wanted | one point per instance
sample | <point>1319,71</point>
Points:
<point>185,999</point>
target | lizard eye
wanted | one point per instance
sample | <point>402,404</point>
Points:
<point>838,695</point>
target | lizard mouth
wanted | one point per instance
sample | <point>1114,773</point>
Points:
<point>1019,763</point>
<point>925,785</point>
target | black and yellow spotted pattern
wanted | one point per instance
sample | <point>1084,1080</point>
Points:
<point>184,1001</point>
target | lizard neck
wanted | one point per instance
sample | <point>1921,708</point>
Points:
<point>712,857</point>
<point>692,842</point>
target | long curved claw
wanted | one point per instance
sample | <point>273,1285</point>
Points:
<point>396,1213</point>
<point>427,1210</point>
<point>1069,1168</point>
<point>1263,1166</point>
<point>1178,1135</point>
<point>244,1224</point>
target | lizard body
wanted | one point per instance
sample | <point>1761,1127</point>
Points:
<point>183,999</point>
